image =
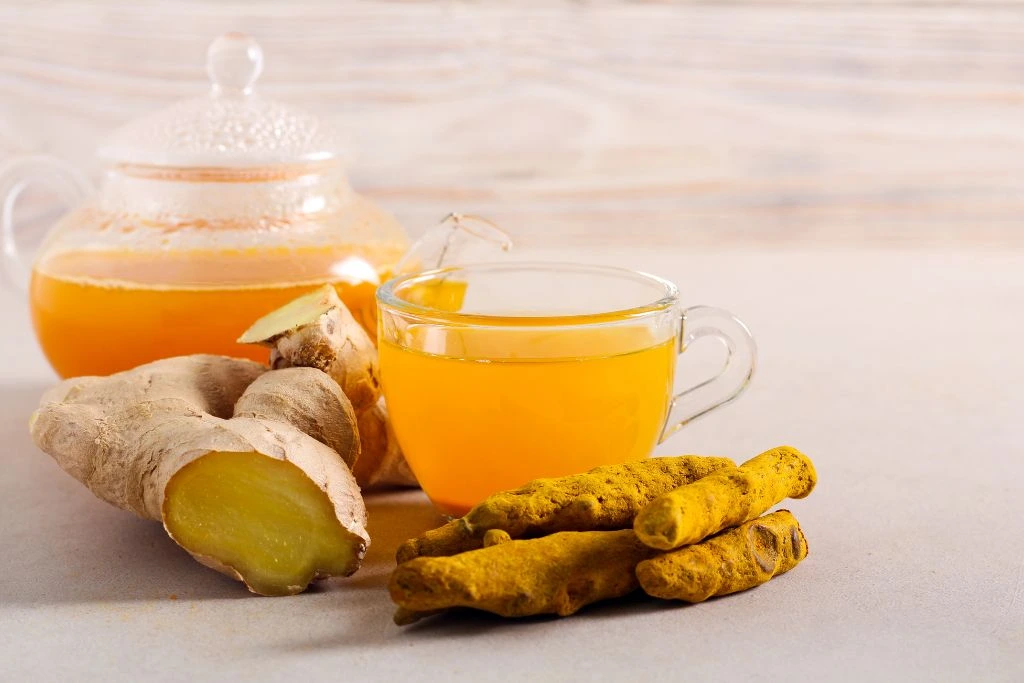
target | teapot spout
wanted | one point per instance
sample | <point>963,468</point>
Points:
<point>451,241</point>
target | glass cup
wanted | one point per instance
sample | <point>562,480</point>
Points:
<point>501,373</point>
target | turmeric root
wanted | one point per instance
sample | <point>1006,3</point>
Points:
<point>254,498</point>
<point>555,574</point>
<point>733,561</point>
<point>605,498</point>
<point>317,331</point>
<point>495,537</point>
<point>724,499</point>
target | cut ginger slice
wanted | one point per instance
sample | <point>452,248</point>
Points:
<point>260,518</point>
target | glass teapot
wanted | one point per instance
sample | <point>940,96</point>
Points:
<point>211,213</point>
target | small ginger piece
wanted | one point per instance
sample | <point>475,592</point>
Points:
<point>732,561</point>
<point>605,498</point>
<point>254,498</point>
<point>308,399</point>
<point>556,574</point>
<point>727,498</point>
<point>317,330</point>
<point>382,463</point>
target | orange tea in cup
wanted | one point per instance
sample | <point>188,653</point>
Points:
<point>539,370</point>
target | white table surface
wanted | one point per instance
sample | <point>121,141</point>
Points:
<point>900,373</point>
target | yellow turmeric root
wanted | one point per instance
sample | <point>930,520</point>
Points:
<point>733,561</point>
<point>495,537</point>
<point>557,574</point>
<point>605,498</point>
<point>724,499</point>
<point>318,331</point>
<point>253,497</point>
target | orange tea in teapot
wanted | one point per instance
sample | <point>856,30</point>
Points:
<point>107,311</point>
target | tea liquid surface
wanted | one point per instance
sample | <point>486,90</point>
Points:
<point>101,312</point>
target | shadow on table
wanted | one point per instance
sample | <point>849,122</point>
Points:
<point>466,623</point>
<point>62,545</point>
<point>393,518</point>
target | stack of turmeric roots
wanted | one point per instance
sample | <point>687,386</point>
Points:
<point>685,528</point>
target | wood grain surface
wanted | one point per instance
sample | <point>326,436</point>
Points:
<point>768,124</point>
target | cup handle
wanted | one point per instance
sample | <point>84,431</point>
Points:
<point>70,185</point>
<point>700,322</point>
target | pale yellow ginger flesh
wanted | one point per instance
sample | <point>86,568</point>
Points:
<point>259,517</point>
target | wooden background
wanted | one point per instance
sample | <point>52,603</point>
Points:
<point>754,124</point>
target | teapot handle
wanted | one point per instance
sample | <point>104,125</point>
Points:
<point>67,182</point>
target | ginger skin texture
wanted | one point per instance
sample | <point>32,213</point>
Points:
<point>250,495</point>
<point>732,561</point>
<point>382,464</point>
<point>605,498</point>
<point>557,574</point>
<point>727,498</point>
<point>318,331</point>
<point>320,409</point>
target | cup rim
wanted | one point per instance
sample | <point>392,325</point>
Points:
<point>386,296</point>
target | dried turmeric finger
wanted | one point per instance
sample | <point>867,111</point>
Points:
<point>555,574</point>
<point>724,499</point>
<point>496,537</point>
<point>733,561</point>
<point>605,498</point>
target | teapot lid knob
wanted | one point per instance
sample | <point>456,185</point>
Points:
<point>234,61</point>
<point>229,128</point>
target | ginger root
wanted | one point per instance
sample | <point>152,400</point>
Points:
<point>729,497</point>
<point>556,574</point>
<point>320,409</point>
<point>382,463</point>
<point>732,561</point>
<point>251,496</point>
<point>605,498</point>
<point>317,330</point>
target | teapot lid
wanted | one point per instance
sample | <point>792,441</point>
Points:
<point>230,128</point>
